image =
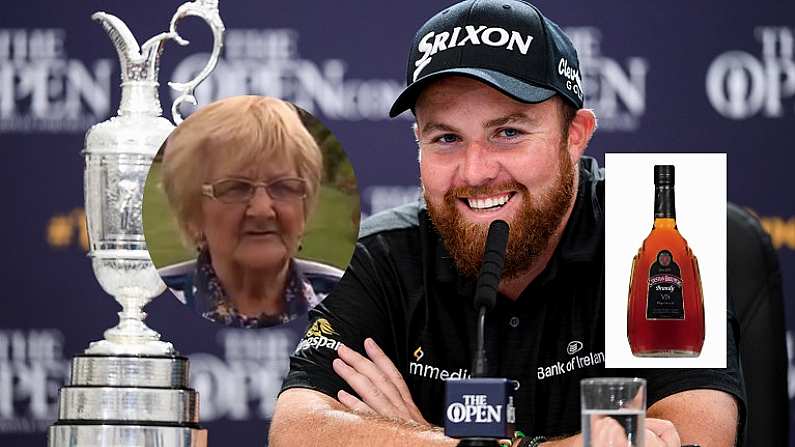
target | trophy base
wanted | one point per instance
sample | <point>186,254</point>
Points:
<point>130,371</point>
<point>126,401</point>
<point>123,404</point>
<point>126,436</point>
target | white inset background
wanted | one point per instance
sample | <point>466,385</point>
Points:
<point>700,194</point>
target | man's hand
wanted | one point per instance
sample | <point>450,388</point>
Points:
<point>660,432</point>
<point>607,432</point>
<point>378,383</point>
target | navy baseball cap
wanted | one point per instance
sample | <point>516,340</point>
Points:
<point>507,44</point>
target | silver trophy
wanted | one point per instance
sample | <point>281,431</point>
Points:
<point>131,389</point>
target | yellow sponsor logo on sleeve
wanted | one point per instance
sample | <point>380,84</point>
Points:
<point>319,328</point>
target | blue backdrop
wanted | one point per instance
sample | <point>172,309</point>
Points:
<point>709,76</point>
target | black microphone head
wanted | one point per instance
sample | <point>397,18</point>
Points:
<point>491,269</point>
<point>498,235</point>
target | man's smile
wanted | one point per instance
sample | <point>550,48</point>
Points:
<point>483,208</point>
<point>489,202</point>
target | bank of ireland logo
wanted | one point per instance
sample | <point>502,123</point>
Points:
<point>320,328</point>
<point>418,354</point>
<point>741,85</point>
<point>574,347</point>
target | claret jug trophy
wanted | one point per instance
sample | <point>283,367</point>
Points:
<point>131,388</point>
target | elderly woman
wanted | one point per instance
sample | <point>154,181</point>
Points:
<point>242,176</point>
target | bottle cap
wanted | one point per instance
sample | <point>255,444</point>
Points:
<point>663,175</point>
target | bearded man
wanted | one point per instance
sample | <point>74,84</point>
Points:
<point>497,95</point>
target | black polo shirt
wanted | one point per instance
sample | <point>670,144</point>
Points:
<point>403,290</point>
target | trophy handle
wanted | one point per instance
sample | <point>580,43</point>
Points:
<point>123,40</point>
<point>207,10</point>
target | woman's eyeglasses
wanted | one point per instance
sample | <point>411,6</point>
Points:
<point>241,191</point>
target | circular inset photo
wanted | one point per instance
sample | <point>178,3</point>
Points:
<point>251,211</point>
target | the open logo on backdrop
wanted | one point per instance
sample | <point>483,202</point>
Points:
<point>42,90</point>
<point>267,62</point>
<point>741,85</point>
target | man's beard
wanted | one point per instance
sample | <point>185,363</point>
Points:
<point>530,229</point>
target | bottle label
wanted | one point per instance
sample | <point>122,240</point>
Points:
<point>665,289</point>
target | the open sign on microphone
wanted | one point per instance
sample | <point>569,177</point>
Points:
<point>479,408</point>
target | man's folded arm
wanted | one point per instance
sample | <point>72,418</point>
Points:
<point>704,417</point>
<point>308,417</point>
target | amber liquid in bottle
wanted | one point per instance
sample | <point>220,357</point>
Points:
<point>665,316</point>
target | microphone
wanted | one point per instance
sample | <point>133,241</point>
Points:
<point>480,410</point>
<point>486,289</point>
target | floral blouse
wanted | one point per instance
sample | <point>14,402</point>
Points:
<point>213,303</point>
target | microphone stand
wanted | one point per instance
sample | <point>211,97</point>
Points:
<point>480,363</point>
<point>485,300</point>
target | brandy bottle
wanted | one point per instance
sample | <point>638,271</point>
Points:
<point>665,314</point>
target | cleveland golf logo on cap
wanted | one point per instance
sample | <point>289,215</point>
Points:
<point>469,35</point>
<point>572,76</point>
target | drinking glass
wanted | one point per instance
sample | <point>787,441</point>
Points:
<point>621,399</point>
